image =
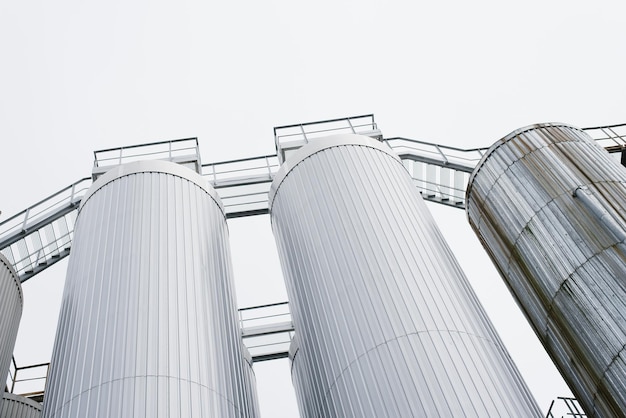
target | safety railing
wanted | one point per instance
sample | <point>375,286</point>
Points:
<point>24,221</point>
<point>28,381</point>
<point>563,407</point>
<point>40,235</point>
<point>243,184</point>
<point>610,137</point>
<point>182,151</point>
<point>439,172</point>
<point>266,330</point>
<point>42,248</point>
<point>442,155</point>
<point>289,138</point>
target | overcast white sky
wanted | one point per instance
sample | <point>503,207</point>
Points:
<point>79,76</point>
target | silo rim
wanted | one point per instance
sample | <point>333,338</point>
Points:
<point>321,144</point>
<point>16,278</point>
<point>503,141</point>
<point>22,400</point>
<point>152,166</point>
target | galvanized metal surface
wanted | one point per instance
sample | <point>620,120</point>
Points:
<point>386,322</point>
<point>549,205</point>
<point>15,406</point>
<point>11,303</point>
<point>148,323</point>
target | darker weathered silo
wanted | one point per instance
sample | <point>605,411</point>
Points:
<point>549,206</point>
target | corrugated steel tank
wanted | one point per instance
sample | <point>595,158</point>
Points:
<point>148,324</point>
<point>549,206</point>
<point>386,322</point>
<point>15,406</point>
<point>11,304</point>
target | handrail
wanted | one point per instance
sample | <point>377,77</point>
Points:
<point>263,306</point>
<point>608,133</point>
<point>278,344</point>
<point>285,140</point>
<point>259,168</point>
<point>154,150</point>
<point>243,183</point>
<point>22,221</point>
<point>436,154</point>
<point>13,375</point>
<point>151,143</point>
<point>573,407</point>
<point>368,115</point>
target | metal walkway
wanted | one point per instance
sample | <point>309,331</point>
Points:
<point>266,331</point>
<point>41,235</point>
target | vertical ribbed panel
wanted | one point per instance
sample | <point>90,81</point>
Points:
<point>386,322</point>
<point>15,406</point>
<point>563,257</point>
<point>148,323</point>
<point>11,304</point>
<point>251,397</point>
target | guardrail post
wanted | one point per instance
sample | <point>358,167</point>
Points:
<point>269,169</point>
<point>25,219</point>
<point>351,127</point>
<point>14,375</point>
<point>306,140</point>
<point>445,159</point>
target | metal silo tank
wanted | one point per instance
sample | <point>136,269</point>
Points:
<point>15,406</point>
<point>386,322</point>
<point>148,323</point>
<point>549,205</point>
<point>11,303</point>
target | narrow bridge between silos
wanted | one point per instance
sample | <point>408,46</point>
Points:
<point>41,235</point>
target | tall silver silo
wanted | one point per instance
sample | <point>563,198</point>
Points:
<point>386,322</point>
<point>11,303</point>
<point>549,206</point>
<point>148,323</point>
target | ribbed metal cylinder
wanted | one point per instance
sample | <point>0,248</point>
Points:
<point>386,322</point>
<point>15,406</point>
<point>148,324</point>
<point>549,206</point>
<point>11,304</point>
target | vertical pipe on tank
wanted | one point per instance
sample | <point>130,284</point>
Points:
<point>549,206</point>
<point>386,322</point>
<point>148,323</point>
<point>11,304</point>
